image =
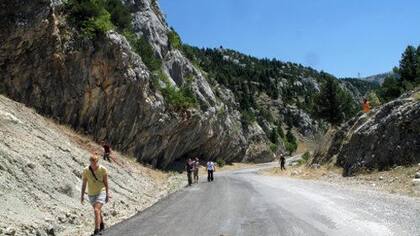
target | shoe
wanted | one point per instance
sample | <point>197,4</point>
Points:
<point>102,226</point>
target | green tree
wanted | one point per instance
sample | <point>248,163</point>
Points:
<point>333,103</point>
<point>408,64</point>
<point>391,89</point>
<point>373,99</point>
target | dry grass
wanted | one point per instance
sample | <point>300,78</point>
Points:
<point>416,96</point>
<point>395,181</point>
<point>303,172</point>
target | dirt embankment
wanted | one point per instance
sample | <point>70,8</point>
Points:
<point>40,177</point>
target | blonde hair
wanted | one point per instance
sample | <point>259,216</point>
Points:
<point>94,158</point>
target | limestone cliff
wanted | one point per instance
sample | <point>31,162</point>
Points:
<point>102,87</point>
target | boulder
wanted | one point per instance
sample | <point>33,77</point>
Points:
<point>385,137</point>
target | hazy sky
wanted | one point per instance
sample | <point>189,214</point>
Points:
<point>342,37</point>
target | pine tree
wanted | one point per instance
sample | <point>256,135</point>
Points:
<point>390,89</point>
<point>408,64</point>
<point>328,106</point>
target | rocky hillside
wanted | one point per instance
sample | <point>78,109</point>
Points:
<point>133,83</point>
<point>40,177</point>
<point>383,138</point>
<point>275,94</point>
<point>379,78</point>
<point>359,89</point>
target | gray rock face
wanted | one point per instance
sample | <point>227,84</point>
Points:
<point>305,124</point>
<point>103,88</point>
<point>380,139</point>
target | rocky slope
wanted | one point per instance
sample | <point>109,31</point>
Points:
<point>103,88</point>
<point>40,177</point>
<point>383,138</point>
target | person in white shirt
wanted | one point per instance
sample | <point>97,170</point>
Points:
<point>211,167</point>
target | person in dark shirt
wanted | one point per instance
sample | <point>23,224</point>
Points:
<point>189,169</point>
<point>107,150</point>
<point>282,162</point>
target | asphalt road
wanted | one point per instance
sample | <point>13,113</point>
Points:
<point>245,203</point>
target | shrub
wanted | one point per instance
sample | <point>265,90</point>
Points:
<point>143,48</point>
<point>220,162</point>
<point>94,17</point>
<point>89,16</point>
<point>416,96</point>
<point>306,156</point>
<point>280,131</point>
<point>120,15</point>
<point>174,39</point>
<point>179,98</point>
<point>274,136</point>
<point>248,116</point>
<point>373,99</point>
<point>290,147</point>
<point>273,147</point>
<point>290,142</point>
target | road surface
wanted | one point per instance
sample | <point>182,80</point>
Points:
<point>245,203</point>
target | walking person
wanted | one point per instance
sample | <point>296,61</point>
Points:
<point>95,177</point>
<point>282,162</point>
<point>196,166</point>
<point>189,169</point>
<point>107,150</point>
<point>211,168</point>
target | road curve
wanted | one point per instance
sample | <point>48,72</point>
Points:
<point>245,203</point>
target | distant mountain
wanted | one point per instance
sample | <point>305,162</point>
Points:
<point>379,78</point>
<point>359,88</point>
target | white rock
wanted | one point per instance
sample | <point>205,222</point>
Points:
<point>416,182</point>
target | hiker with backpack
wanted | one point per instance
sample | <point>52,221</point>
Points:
<point>189,168</point>
<point>95,177</point>
<point>211,168</point>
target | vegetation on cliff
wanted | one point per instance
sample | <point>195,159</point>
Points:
<point>406,76</point>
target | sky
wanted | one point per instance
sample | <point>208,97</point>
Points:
<point>347,38</point>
